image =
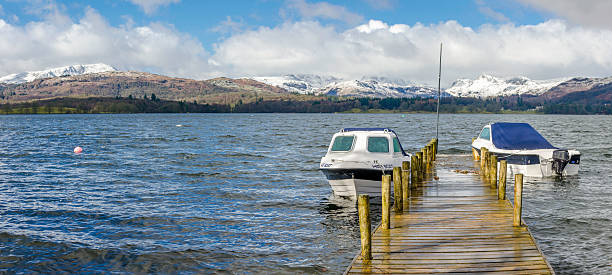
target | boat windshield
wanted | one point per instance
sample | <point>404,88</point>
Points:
<point>486,133</point>
<point>396,145</point>
<point>343,143</point>
<point>378,145</point>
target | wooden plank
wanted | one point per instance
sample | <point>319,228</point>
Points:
<point>454,225</point>
<point>417,262</point>
<point>452,242</point>
<point>516,272</point>
<point>454,255</point>
<point>539,268</point>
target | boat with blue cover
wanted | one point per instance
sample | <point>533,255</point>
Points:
<point>358,157</point>
<point>526,151</point>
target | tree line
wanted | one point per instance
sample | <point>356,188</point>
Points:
<point>321,104</point>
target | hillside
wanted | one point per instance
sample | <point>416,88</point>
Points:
<point>138,84</point>
<point>84,81</point>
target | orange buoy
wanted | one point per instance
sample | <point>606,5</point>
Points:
<point>78,150</point>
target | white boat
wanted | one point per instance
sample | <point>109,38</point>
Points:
<point>358,157</point>
<point>526,151</point>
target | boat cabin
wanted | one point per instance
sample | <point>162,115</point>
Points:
<point>366,141</point>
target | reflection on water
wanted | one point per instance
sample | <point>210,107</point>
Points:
<point>237,192</point>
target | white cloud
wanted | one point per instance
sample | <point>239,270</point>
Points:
<point>229,25</point>
<point>324,10</point>
<point>489,12</point>
<point>52,43</point>
<point>548,50</point>
<point>151,6</point>
<point>381,4</point>
<point>594,13</point>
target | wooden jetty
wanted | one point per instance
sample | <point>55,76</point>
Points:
<point>454,219</point>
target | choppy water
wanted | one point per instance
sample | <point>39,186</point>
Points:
<point>241,193</point>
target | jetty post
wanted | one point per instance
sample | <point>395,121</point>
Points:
<point>493,171</point>
<point>482,159</point>
<point>501,187</point>
<point>432,152</point>
<point>405,184</point>
<point>425,158</point>
<point>420,164</point>
<point>435,148</point>
<point>474,152</point>
<point>365,226</point>
<point>485,173</point>
<point>397,189</point>
<point>518,200</point>
<point>424,161</point>
<point>386,197</point>
<point>414,176</point>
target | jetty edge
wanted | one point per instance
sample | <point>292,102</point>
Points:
<point>455,221</point>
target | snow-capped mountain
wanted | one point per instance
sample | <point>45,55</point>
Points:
<point>366,87</point>
<point>490,86</point>
<point>299,83</point>
<point>373,88</point>
<point>55,72</point>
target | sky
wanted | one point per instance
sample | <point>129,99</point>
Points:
<point>539,39</point>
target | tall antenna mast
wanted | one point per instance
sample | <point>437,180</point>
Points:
<point>438,108</point>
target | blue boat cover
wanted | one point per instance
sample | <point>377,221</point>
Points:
<point>517,136</point>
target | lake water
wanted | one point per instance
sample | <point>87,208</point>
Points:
<point>241,193</point>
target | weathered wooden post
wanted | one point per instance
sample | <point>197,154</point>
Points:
<point>501,187</point>
<point>405,189</point>
<point>405,184</point>
<point>474,152</point>
<point>397,189</point>
<point>428,158</point>
<point>428,150</point>
<point>418,165</point>
<point>432,148</point>
<point>485,173</point>
<point>435,148</point>
<point>518,199</point>
<point>386,197</point>
<point>364,226</point>
<point>493,173</point>
<point>425,159</point>
<point>482,159</point>
<point>421,162</point>
<point>414,176</point>
<point>435,142</point>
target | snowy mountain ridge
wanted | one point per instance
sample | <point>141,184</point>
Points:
<point>374,88</point>
<point>491,86</point>
<point>482,86</point>
<point>299,83</point>
<point>55,72</point>
<point>365,87</point>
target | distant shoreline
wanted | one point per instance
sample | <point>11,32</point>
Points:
<point>117,105</point>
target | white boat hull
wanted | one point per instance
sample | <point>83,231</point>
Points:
<point>349,188</point>
<point>539,170</point>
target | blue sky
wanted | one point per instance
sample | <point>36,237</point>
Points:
<point>350,39</point>
<point>207,20</point>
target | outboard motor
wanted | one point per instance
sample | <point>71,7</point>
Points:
<point>560,159</point>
